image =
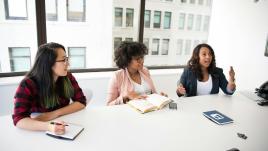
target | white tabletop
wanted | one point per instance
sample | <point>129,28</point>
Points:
<point>121,128</point>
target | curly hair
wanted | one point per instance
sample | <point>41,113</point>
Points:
<point>126,51</point>
<point>194,65</point>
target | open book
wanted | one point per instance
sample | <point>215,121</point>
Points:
<point>151,103</point>
<point>71,132</point>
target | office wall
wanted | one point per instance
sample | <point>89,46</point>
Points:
<point>238,31</point>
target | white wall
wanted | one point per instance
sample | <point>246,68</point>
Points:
<point>238,31</point>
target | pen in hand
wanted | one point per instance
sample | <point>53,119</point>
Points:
<point>56,123</point>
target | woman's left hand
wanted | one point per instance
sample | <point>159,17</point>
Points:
<point>231,75</point>
<point>47,116</point>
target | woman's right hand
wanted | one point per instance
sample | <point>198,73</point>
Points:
<point>57,127</point>
<point>133,95</point>
<point>181,90</point>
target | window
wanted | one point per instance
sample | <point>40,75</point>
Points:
<point>76,10</point>
<point>146,42</point>
<point>16,9</point>
<point>200,2</point>
<point>196,42</point>
<point>192,1</point>
<point>147,18</point>
<point>167,20</point>
<point>181,21</point>
<point>157,19</point>
<point>129,17</point>
<point>179,47</point>
<point>51,10</point>
<point>155,48</point>
<point>20,59</point>
<point>118,17</point>
<point>129,39</point>
<point>190,21</point>
<point>183,1</point>
<point>187,47</point>
<point>198,22</point>
<point>117,42</point>
<point>165,47</point>
<point>77,56</point>
<point>209,3</point>
<point>0,67</point>
<point>206,23</point>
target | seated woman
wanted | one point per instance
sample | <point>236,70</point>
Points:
<point>47,89</point>
<point>202,77</point>
<point>133,80</point>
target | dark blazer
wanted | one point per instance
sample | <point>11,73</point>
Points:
<point>189,82</point>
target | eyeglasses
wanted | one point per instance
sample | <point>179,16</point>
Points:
<point>65,60</point>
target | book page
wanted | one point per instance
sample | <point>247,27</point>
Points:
<point>71,131</point>
<point>142,105</point>
<point>158,100</point>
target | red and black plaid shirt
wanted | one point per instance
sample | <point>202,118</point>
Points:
<point>27,96</point>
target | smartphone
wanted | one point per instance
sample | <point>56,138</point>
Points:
<point>172,105</point>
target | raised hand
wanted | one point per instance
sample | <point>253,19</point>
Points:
<point>181,90</point>
<point>231,74</point>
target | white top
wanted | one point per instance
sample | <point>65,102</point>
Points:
<point>142,88</point>
<point>204,88</point>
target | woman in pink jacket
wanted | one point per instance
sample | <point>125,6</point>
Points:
<point>133,80</point>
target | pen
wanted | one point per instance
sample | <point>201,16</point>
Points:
<point>56,123</point>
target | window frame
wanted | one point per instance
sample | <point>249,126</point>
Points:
<point>6,5</point>
<point>74,20</point>
<point>42,38</point>
<point>84,56</point>
<point>10,49</point>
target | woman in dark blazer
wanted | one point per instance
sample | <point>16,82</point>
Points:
<point>201,76</point>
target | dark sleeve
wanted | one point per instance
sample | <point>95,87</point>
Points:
<point>182,80</point>
<point>78,93</point>
<point>223,82</point>
<point>22,100</point>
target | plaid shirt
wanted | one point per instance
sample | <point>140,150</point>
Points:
<point>26,99</point>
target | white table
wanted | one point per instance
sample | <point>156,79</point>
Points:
<point>121,128</point>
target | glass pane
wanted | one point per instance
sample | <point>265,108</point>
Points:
<point>76,10</point>
<point>117,41</point>
<point>118,17</point>
<point>198,22</point>
<point>18,35</point>
<point>181,21</point>
<point>77,62</point>
<point>16,9</point>
<point>51,10</point>
<point>147,18</point>
<point>157,19</point>
<point>129,17</point>
<point>190,21</point>
<point>206,23</point>
<point>167,20</point>
<point>76,51</point>
<point>19,59</point>
<point>172,38</point>
<point>165,47</point>
<point>155,48</point>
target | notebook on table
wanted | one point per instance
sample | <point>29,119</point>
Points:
<point>71,132</point>
<point>218,117</point>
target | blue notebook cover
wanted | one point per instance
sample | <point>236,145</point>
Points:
<point>217,117</point>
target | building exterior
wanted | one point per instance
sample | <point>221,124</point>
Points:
<point>90,30</point>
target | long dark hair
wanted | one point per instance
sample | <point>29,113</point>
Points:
<point>194,65</point>
<point>42,74</point>
<point>127,49</point>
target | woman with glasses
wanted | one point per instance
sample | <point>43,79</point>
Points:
<point>133,80</point>
<point>47,89</point>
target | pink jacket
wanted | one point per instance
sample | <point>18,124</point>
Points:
<point>120,85</point>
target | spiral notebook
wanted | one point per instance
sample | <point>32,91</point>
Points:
<point>71,132</point>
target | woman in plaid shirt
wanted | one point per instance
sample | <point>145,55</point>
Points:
<point>47,89</point>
